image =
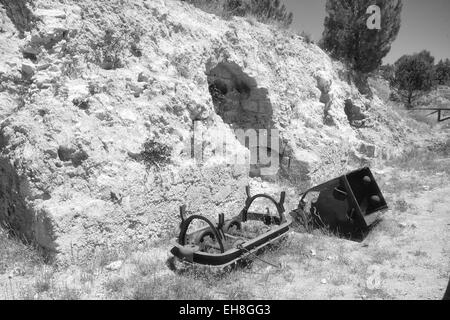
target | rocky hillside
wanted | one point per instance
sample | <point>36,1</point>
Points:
<point>99,102</point>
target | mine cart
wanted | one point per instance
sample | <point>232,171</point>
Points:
<point>226,242</point>
<point>348,205</point>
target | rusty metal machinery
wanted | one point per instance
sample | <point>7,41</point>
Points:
<point>349,205</point>
<point>225,242</point>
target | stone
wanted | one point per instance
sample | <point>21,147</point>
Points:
<point>367,150</point>
<point>114,266</point>
<point>143,77</point>
<point>50,13</point>
<point>324,82</point>
<point>28,70</point>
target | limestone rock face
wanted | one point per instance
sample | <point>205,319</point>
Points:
<point>85,84</point>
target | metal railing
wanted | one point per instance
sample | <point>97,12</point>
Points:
<point>435,110</point>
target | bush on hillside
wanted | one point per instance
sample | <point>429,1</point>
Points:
<point>266,11</point>
<point>110,51</point>
<point>155,153</point>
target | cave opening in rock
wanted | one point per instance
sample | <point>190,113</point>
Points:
<point>245,106</point>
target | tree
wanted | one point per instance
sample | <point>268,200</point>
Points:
<point>442,72</point>
<point>347,36</point>
<point>413,76</point>
<point>387,71</point>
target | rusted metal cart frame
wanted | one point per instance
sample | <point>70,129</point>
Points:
<point>191,252</point>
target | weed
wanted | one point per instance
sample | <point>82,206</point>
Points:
<point>16,251</point>
<point>115,284</point>
<point>145,266</point>
<point>44,280</point>
<point>401,205</point>
<point>169,287</point>
<point>420,253</point>
<point>67,293</point>
<point>87,277</point>
<point>339,279</point>
<point>110,51</point>
<point>342,256</point>
<point>238,292</point>
<point>382,255</point>
<point>307,37</point>
<point>155,153</point>
<point>105,256</point>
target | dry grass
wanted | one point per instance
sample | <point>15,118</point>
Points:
<point>414,167</point>
<point>147,277</point>
<point>44,280</point>
<point>383,255</point>
<point>423,160</point>
<point>17,253</point>
<point>168,287</point>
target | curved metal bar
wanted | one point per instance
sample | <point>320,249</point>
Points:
<point>185,225</point>
<point>278,204</point>
<point>252,199</point>
<point>316,188</point>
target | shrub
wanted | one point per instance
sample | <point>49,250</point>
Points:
<point>155,153</point>
<point>307,37</point>
<point>413,76</point>
<point>44,280</point>
<point>112,48</point>
<point>266,11</point>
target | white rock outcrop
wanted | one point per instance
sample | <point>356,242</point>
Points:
<point>71,137</point>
